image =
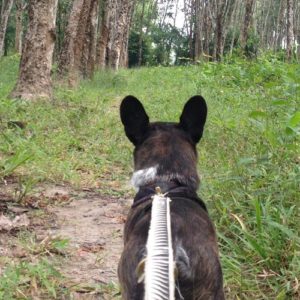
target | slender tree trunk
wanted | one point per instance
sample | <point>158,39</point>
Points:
<point>36,61</point>
<point>290,30</point>
<point>231,8</point>
<point>67,61</point>
<point>118,50</point>
<point>220,29</point>
<point>207,25</point>
<point>124,50</point>
<point>19,28</point>
<point>264,32</point>
<point>247,21</point>
<point>198,29</point>
<point>88,55</point>
<point>297,28</point>
<point>191,33</point>
<point>140,43</point>
<point>112,25</point>
<point>235,25</point>
<point>280,34</point>
<point>278,20</point>
<point>213,10</point>
<point>79,48</point>
<point>104,35</point>
<point>5,12</point>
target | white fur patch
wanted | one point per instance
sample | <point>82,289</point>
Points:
<point>144,176</point>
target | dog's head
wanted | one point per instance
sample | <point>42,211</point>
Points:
<point>169,147</point>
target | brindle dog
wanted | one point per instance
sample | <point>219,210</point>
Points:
<point>165,155</point>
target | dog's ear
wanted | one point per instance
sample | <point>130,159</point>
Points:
<point>193,117</point>
<point>134,119</point>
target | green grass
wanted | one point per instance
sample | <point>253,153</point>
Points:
<point>38,278</point>
<point>249,158</point>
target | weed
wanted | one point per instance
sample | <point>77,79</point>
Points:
<point>38,279</point>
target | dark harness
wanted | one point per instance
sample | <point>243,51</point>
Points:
<point>171,189</point>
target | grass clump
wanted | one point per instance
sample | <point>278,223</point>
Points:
<point>248,158</point>
<point>39,279</point>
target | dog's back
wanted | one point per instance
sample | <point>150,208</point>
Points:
<point>165,156</point>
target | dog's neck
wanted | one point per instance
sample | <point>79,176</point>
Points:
<point>154,176</point>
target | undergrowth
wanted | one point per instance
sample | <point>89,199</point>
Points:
<point>249,157</point>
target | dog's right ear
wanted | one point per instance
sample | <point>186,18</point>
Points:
<point>134,119</point>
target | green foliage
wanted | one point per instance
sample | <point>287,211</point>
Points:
<point>133,49</point>
<point>40,277</point>
<point>248,158</point>
<point>251,48</point>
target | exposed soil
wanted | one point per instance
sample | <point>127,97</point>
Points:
<point>93,225</point>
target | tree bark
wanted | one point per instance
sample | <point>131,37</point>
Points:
<point>19,28</point>
<point>140,43</point>
<point>77,58</point>
<point>198,30</point>
<point>123,63</point>
<point>112,24</point>
<point>67,61</point>
<point>280,25</point>
<point>220,29</point>
<point>264,33</point>
<point>207,25</point>
<point>247,21</point>
<point>290,30</point>
<point>235,25</point>
<point>36,61</point>
<point>5,12</point>
<point>104,35</point>
<point>88,55</point>
<point>117,50</point>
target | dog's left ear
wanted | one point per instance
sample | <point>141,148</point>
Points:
<point>193,117</point>
<point>134,119</point>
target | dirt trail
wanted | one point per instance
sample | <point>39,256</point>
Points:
<point>93,224</point>
<point>94,228</point>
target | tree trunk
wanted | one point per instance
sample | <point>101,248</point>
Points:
<point>247,22</point>
<point>35,67</point>
<point>104,34</point>
<point>198,30</point>
<point>297,28</point>
<point>191,30</point>
<point>235,25</point>
<point>220,29</point>
<point>264,33</point>
<point>77,58</point>
<point>67,61</point>
<point>280,26</point>
<point>19,28</point>
<point>140,43</point>
<point>5,12</point>
<point>207,25</point>
<point>121,32</point>
<point>112,23</point>
<point>88,55</point>
<point>290,30</point>
<point>123,63</point>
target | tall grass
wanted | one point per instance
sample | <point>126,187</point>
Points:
<point>249,157</point>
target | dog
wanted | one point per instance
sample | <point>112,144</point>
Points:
<point>165,155</point>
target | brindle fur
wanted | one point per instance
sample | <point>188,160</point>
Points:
<point>171,147</point>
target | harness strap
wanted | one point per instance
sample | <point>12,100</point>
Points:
<point>173,191</point>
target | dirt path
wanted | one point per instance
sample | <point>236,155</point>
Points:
<point>94,228</point>
<point>93,225</point>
